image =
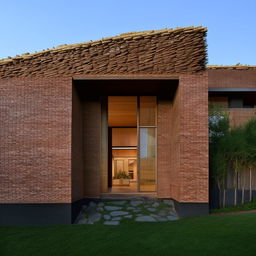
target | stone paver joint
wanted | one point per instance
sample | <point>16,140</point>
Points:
<point>113,212</point>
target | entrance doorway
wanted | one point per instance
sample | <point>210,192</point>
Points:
<point>132,143</point>
<point>124,159</point>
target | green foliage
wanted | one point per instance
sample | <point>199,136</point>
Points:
<point>122,175</point>
<point>218,122</point>
<point>250,140</point>
<point>230,149</point>
<point>219,140</point>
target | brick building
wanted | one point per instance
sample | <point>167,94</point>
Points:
<point>75,118</point>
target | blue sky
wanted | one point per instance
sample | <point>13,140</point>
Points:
<point>28,26</point>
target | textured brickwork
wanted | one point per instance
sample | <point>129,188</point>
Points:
<point>193,106</point>
<point>183,142</point>
<point>175,178</point>
<point>92,147</point>
<point>232,78</point>
<point>167,51</point>
<point>164,132</point>
<point>240,116</point>
<point>77,148</point>
<point>35,136</point>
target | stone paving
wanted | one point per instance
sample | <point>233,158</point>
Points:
<point>114,212</point>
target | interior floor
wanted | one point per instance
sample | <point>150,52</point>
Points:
<point>132,188</point>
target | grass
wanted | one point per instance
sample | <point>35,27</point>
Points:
<point>238,208</point>
<point>207,235</point>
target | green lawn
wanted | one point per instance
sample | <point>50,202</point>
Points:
<point>207,235</point>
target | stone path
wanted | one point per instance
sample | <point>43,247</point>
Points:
<point>113,212</point>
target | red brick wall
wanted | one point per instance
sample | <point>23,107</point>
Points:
<point>240,116</point>
<point>175,179</point>
<point>164,132</point>
<point>225,78</point>
<point>183,142</point>
<point>232,78</point>
<point>35,135</point>
<point>92,147</point>
<point>77,148</point>
<point>193,118</point>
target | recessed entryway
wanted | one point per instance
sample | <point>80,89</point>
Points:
<point>117,126</point>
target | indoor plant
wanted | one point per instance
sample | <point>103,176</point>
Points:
<point>122,179</point>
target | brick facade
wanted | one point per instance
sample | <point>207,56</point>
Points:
<point>36,150</point>
<point>183,141</point>
<point>77,161</point>
<point>35,135</point>
<point>232,78</point>
<point>240,116</point>
<point>164,132</point>
<point>92,147</point>
<point>193,116</point>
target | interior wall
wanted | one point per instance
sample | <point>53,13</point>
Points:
<point>124,153</point>
<point>124,137</point>
<point>122,111</point>
<point>77,148</point>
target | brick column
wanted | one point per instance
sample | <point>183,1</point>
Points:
<point>193,118</point>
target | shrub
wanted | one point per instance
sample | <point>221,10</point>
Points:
<point>122,175</point>
<point>230,149</point>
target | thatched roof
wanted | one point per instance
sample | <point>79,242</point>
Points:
<point>167,51</point>
<point>235,67</point>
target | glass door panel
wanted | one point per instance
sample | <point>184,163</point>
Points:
<point>147,111</point>
<point>132,168</point>
<point>147,156</point>
<point>133,122</point>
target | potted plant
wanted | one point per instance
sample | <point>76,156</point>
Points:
<point>122,179</point>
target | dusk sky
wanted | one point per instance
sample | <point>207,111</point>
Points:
<point>34,25</point>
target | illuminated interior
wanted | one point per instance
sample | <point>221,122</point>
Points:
<point>132,121</point>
